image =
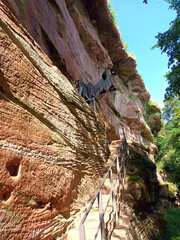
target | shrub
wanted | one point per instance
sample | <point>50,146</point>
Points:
<point>172,224</point>
<point>113,15</point>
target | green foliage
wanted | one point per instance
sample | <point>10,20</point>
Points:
<point>131,98</point>
<point>131,54</point>
<point>124,43</point>
<point>169,42</point>
<point>142,172</point>
<point>23,2</point>
<point>120,90</point>
<point>172,189</point>
<point>143,103</point>
<point>148,110</point>
<point>171,111</point>
<point>113,15</point>
<point>114,96</point>
<point>94,23</point>
<point>136,179</point>
<point>168,141</point>
<point>172,224</point>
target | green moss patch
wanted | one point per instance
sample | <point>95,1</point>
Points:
<point>142,179</point>
<point>172,224</point>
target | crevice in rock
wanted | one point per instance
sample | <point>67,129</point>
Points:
<point>5,193</point>
<point>36,115</point>
<point>69,102</point>
<point>13,167</point>
<point>53,54</point>
<point>74,103</point>
<point>41,204</point>
<point>45,122</point>
<point>6,196</point>
<point>55,7</point>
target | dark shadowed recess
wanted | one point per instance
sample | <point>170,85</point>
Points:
<point>13,167</point>
<point>54,55</point>
<point>55,7</point>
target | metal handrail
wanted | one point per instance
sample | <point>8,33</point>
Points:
<point>94,102</point>
<point>121,170</point>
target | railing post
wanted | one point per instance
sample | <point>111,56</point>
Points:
<point>113,196</point>
<point>94,104</point>
<point>120,184</point>
<point>116,194</point>
<point>101,216</point>
<point>118,170</point>
<point>82,234</point>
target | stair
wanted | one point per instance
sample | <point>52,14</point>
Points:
<point>90,91</point>
<point>122,228</point>
<point>119,233</point>
<point>92,221</point>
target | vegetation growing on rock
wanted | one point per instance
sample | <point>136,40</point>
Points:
<point>172,224</point>
<point>113,15</point>
<point>168,140</point>
<point>153,117</point>
<point>141,180</point>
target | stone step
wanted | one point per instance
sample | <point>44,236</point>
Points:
<point>92,221</point>
<point>119,234</point>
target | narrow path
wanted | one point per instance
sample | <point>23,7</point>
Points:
<point>92,221</point>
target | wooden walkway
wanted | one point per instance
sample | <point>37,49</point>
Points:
<point>90,91</point>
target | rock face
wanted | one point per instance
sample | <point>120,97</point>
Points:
<point>153,117</point>
<point>52,143</point>
<point>82,41</point>
<point>50,138</point>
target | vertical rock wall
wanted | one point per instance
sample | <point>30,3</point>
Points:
<point>52,144</point>
<point>50,141</point>
<point>82,41</point>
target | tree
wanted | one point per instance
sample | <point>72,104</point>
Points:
<point>171,112</point>
<point>169,42</point>
<point>168,140</point>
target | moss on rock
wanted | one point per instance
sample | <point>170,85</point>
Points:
<point>142,181</point>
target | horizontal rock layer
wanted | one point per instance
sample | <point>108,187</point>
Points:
<point>53,145</point>
<point>50,139</point>
<point>82,41</point>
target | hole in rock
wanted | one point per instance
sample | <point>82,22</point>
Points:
<point>104,75</point>
<point>5,194</point>
<point>41,204</point>
<point>13,167</point>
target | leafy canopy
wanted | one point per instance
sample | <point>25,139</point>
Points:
<point>168,140</point>
<point>173,224</point>
<point>171,112</point>
<point>169,42</point>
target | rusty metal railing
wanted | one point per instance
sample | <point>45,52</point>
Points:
<point>116,174</point>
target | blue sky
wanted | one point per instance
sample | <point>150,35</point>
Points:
<point>139,24</point>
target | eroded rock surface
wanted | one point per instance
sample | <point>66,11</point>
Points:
<point>82,41</point>
<point>53,144</point>
<point>50,139</point>
<point>153,117</point>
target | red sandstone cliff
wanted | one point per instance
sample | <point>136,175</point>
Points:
<point>51,141</point>
<point>82,41</point>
